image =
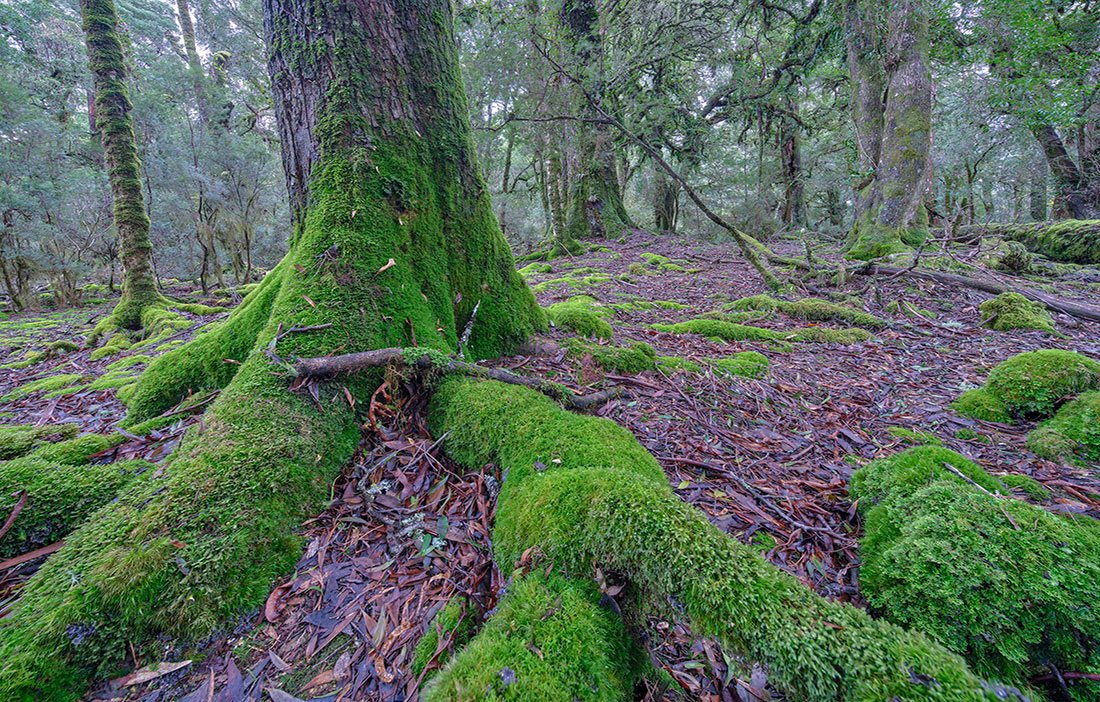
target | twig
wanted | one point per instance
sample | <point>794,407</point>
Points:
<point>19,505</point>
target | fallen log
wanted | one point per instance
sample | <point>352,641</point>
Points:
<point>329,366</point>
<point>1068,241</point>
<point>1053,302</point>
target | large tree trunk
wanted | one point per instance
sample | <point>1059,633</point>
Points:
<point>395,244</point>
<point>794,186</point>
<point>116,128</point>
<point>890,215</point>
<point>595,201</point>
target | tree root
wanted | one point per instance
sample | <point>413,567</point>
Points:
<point>584,493</point>
<point>160,320</point>
<point>429,360</point>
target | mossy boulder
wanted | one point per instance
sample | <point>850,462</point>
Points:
<point>981,404</point>
<point>583,315</point>
<point>1074,432</point>
<point>1034,383</point>
<point>1010,586</point>
<point>1011,310</point>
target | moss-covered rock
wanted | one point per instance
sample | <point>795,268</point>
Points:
<point>20,439</point>
<point>979,403</point>
<point>583,315</point>
<point>747,364</point>
<point>635,357</point>
<point>1012,310</point>
<point>1010,586</point>
<point>661,263</point>
<point>1034,383</point>
<point>1067,241</point>
<point>1015,258</point>
<point>1074,432</point>
<point>581,490</point>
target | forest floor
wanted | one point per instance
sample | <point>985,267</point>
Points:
<point>767,460</point>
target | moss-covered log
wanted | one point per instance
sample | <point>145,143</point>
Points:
<point>395,243</point>
<point>582,491</point>
<point>1009,585</point>
<point>1069,241</point>
<point>115,124</point>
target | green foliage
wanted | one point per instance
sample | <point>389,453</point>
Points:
<point>582,490</point>
<point>979,403</point>
<point>455,623</point>
<point>1012,310</point>
<point>583,315</point>
<point>1036,382</point>
<point>746,364</point>
<point>1073,432</point>
<point>1009,585</point>
<point>550,639</point>
<point>635,357</point>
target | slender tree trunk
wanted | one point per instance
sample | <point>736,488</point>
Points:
<point>395,244</point>
<point>1037,205</point>
<point>794,187</point>
<point>891,216</point>
<point>666,202</point>
<point>116,128</point>
<point>1076,197</point>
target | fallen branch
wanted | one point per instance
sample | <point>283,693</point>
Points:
<point>1074,309</point>
<point>329,366</point>
<point>19,505</point>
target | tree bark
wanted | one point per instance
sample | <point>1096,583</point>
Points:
<point>1077,198</point>
<point>794,187</point>
<point>890,216</point>
<point>595,202</point>
<point>395,244</point>
<point>116,129</point>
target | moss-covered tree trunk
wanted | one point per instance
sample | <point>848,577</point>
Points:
<point>790,147</point>
<point>1077,186</point>
<point>595,200</point>
<point>394,244</point>
<point>892,112</point>
<point>115,125</point>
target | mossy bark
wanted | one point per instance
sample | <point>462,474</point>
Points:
<point>115,124</point>
<point>395,245</point>
<point>1068,241</point>
<point>892,112</point>
<point>595,200</point>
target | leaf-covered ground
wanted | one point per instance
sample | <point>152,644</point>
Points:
<point>767,459</point>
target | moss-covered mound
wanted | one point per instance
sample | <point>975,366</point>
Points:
<point>722,330</point>
<point>50,385</point>
<point>1010,586</point>
<point>1030,384</point>
<point>62,490</point>
<point>635,357</point>
<point>1015,258</point>
<point>1012,310</point>
<point>661,263</point>
<point>1074,432</point>
<point>747,364</point>
<point>455,625</point>
<point>813,309</point>
<point>583,315</point>
<point>20,439</point>
<point>580,491</point>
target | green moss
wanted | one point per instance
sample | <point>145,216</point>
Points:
<point>825,335</point>
<point>20,439</point>
<point>60,347</point>
<point>29,359</point>
<point>583,315</point>
<point>637,269</point>
<point>966,434</point>
<point>1068,241</point>
<point>809,308</point>
<point>62,491</point>
<point>747,364</point>
<point>672,364</point>
<point>870,240</point>
<point>718,329</point>
<point>758,303</point>
<point>550,639</point>
<point>572,282</point>
<point>1036,382</point>
<point>51,383</point>
<point>581,490</point>
<point>116,343</point>
<point>1027,485</point>
<point>636,357</point>
<point>644,305</point>
<point>1012,310</point>
<point>1015,258</point>
<point>1009,585</point>
<point>1073,432</point>
<point>979,403</point>
<point>660,263</point>
<point>914,436</point>
<point>910,310</point>
<point>456,623</point>
<point>535,269</point>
